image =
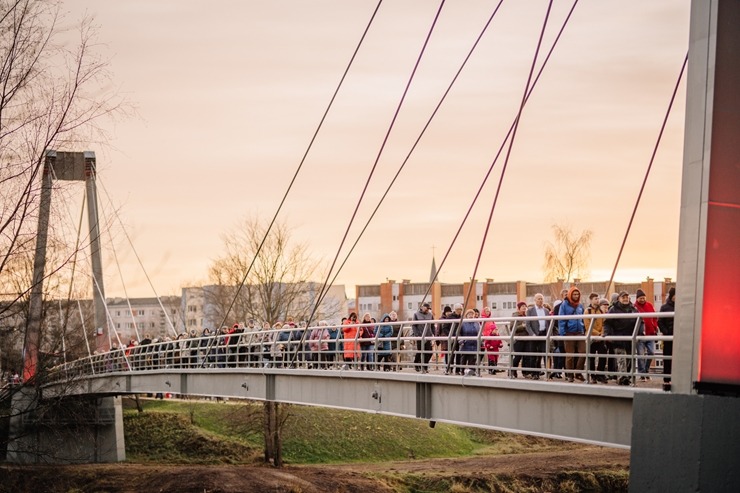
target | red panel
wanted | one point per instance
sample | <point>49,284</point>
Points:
<point>719,351</point>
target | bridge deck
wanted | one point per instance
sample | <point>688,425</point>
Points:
<point>598,414</point>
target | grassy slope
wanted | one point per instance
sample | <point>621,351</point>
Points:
<point>202,432</point>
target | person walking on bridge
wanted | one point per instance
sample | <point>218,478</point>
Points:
<point>423,331</point>
<point>558,360</point>
<point>575,348</point>
<point>651,329</point>
<point>598,347</point>
<point>537,328</point>
<point>490,345</point>
<point>622,327</point>
<point>385,335</point>
<point>443,332</point>
<point>350,334</point>
<point>666,328</point>
<point>469,349</point>
<point>519,329</point>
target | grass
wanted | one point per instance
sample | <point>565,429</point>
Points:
<point>201,432</point>
<point>167,429</point>
<point>168,436</point>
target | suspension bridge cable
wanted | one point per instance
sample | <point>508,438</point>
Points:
<point>123,284</point>
<point>125,290</point>
<point>485,178</point>
<point>136,254</point>
<point>96,286</point>
<point>300,164</point>
<point>498,153</point>
<point>64,319</point>
<point>325,287</point>
<point>303,160</point>
<point>380,151</point>
<point>72,280</point>
<point>471,287</point>
<point>508,151</point>
<point>647,172</point>
<point>84,331</point>
<point>416,143</point>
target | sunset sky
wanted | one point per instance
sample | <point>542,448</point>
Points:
<point>229,93</point>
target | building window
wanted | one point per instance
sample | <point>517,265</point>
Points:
<point>191,322</point>
<point>140,313</point>
<point>118,326</point>
<point>395,297</point>
<point>410,308</point>
<point>192,308</point>
<point>479,298</point>
<point>493,305</point>
<point>118,313</point>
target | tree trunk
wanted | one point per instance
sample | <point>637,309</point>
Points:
<point>273,439</point>
<point>278,440</point>
<point>268,420</point>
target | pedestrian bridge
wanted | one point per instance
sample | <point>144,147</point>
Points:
<point>304,369</point>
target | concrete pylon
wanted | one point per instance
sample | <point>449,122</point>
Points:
<point>689,439</point>
<point>70,429</point>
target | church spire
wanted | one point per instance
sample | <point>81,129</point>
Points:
<point>433,273</point>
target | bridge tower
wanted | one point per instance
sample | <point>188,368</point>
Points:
<point>69,166</point>
<point>37,434</point>
<point>689,439</point>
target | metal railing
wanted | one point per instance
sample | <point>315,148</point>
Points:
<point>409,346</point>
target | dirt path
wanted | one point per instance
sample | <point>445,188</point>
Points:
<point>345,478</point>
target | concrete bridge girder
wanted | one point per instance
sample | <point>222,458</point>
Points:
<point>588,414</point>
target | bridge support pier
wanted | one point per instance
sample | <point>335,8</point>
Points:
<point>685,443</point>
<point>71,430</point>
<point>689,440</point>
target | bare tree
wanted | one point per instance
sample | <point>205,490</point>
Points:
<point>54,90</point>
<point>568,257</point>
<point>277,286</point>
<point>52,96</point>
<point>279,283</point>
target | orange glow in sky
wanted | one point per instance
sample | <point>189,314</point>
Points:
<point>228,95</point>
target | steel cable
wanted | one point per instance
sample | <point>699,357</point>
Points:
<point>647,172</point>
<point>413,147</point>
<point>325,287</point>
<point>452,350</point>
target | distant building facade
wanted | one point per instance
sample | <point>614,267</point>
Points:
<point>204,306</point>
<point>405,297</point>
<point>134,318</point>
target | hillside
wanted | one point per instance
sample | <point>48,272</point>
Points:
<point>196,446</point>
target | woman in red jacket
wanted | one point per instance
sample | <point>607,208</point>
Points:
<point>350,334</point>
<point>491,345</point>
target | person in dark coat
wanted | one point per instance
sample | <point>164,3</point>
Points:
<point>622,327</point>
<point>666,328</point>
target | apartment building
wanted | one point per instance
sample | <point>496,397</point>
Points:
<point>405,297</point>
<point>206,306</point>
<point>134,318</point>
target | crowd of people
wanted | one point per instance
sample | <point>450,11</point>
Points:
<point>610,352</point>
<point>461,344</point>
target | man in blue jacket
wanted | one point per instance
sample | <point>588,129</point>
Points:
<point>575,349</point>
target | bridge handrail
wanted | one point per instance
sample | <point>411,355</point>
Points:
<point>284,348</point>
